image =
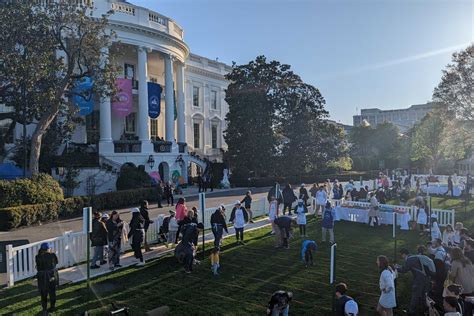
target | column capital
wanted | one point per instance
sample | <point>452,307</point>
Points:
<point>145,49</point>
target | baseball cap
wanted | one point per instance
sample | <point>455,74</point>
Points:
<point>135,210</point>
<point>45,246</point>
<point>237,202</point>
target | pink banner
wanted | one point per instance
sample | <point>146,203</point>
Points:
<point>122,105</point>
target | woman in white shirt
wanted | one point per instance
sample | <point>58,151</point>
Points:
<point>387,300</point>
<point>435,231</point>
<point>448,236</point>
<point>239,218</point>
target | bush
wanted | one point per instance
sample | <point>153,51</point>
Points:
<point>132,177</point>
<point>26,215</point>
<point>39,189</point>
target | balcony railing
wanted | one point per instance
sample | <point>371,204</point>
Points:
<point>162,146</point>
<point>127,146</point>
<point>182,147</point>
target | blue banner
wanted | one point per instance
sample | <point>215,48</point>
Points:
<point>82,96</point>
<point>154,100</point>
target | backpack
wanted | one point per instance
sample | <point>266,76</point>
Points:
<point>427,265</point>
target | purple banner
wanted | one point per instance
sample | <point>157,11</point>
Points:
<point>122,105</point>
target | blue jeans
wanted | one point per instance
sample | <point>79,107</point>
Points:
<point>280,312</point>
<point>98,254</point>
<point>217,231</point>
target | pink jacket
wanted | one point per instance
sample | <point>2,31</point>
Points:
<point>181,212</point>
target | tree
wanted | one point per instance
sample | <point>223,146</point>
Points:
<point>251,119</point>
<point>46,50</point>
<point>426,141</point>
<point>456,89</point>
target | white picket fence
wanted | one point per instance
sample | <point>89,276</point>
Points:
<point>71,248</point>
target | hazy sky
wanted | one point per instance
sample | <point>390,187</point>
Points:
<point>371,53</point>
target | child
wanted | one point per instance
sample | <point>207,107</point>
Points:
<point>215,261</point>
<point>172,228</point>
<point>422,218</point>
<point>307,249</point>
<point>300,211</point>
<point>435,231</point>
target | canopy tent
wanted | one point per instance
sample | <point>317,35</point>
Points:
<point>9,171</point>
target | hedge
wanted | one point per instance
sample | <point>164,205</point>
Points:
<point>26,215</point>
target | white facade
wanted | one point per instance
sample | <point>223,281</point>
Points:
<point>152,49</point>
<point>404,119</point>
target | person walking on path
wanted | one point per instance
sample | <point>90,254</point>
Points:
<point>421,281</point>
<point>47,276</point>
<point>304,194</point>
<point>146,216</point>
<point>168,190</point>
<point>136,234</point>
<point>321,199</point>
<point>374,211</point>
<point>181,213</point>
<point>279,303</point>
<point>218,226</point>
<point>98,240</point>
<point>288,198</point>
<point>247,201</point>
<point>114,227</point>
<point>283,231</point>
<point>307,248</point>
<point>300,211</point>
<point>239,218</point>
<point>329,216</point>
<point>387,300</point>
<point>159,193</point>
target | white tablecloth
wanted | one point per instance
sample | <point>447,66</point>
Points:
<point>362,216</point>
<point>441,189</point>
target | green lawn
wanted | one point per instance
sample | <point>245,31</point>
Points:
<point>249,274</point>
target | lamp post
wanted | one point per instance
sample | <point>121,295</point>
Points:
<point>151,161</point>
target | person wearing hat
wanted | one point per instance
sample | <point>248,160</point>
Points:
<point>218,225</point>
<point>47,275</point>
<point>137,234</point>
<point>239,218</point>
<point>279,303</point>
<point>172,228</point>
<point>345,305</point>
<point>98,240</point>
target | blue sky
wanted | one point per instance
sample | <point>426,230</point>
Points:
<point>359,53</point>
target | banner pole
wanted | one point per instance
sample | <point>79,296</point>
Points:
<point>87,229</point>
<point>202,205</point>
<point>332,277</point>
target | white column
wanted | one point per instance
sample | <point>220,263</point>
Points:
<point>181,103</point>
<point>169,99</point>
<point>143,122</point>
<point>105,142</point>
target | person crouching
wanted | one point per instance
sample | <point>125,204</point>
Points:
<point>307,249</point>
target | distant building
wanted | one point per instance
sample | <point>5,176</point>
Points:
<point>404,119</point>
<point>346,128</point>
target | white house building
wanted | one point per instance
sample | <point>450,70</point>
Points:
<point>191,121</point>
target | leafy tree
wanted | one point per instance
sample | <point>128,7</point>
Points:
<point>456,89</point>
<point>45,51</point>
<point>426,141</point>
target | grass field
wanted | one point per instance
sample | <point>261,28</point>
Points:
<point>249,275</point>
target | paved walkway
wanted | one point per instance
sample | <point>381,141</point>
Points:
<point>58,228</point>
<point>79,273</point>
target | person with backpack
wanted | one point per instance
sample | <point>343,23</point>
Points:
<point>420,266</point>
<point>218,225</point>
<point>300,211</point>
<point>345,305</point>
<point>329,216</point>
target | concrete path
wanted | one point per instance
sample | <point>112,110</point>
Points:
<point>58,228</point>
<point>79,273</point>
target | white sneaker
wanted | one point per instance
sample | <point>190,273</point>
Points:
<point>141,263</point>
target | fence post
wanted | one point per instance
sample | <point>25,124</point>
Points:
<point>454,220</point>
<point>67,249</point>
<point>10,267</point>
<point>202,205</point>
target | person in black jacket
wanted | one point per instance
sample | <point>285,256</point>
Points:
<point>304,194</point>
<point>168,190</point>
<point>48,280</point>
<point>146,216</point>
<point>276,193</point>
<point>345,305</point>
<point>136,234</point>
<point>98,240</point>
<point>279,303</point>
<point>247,201</point>
<point>218,225</point>
<point>159,193</point>
<point>184,251</point>
<point>288,198</point>
<point>284,224</point>
<point>114,227</point>
<point>421,281</point>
